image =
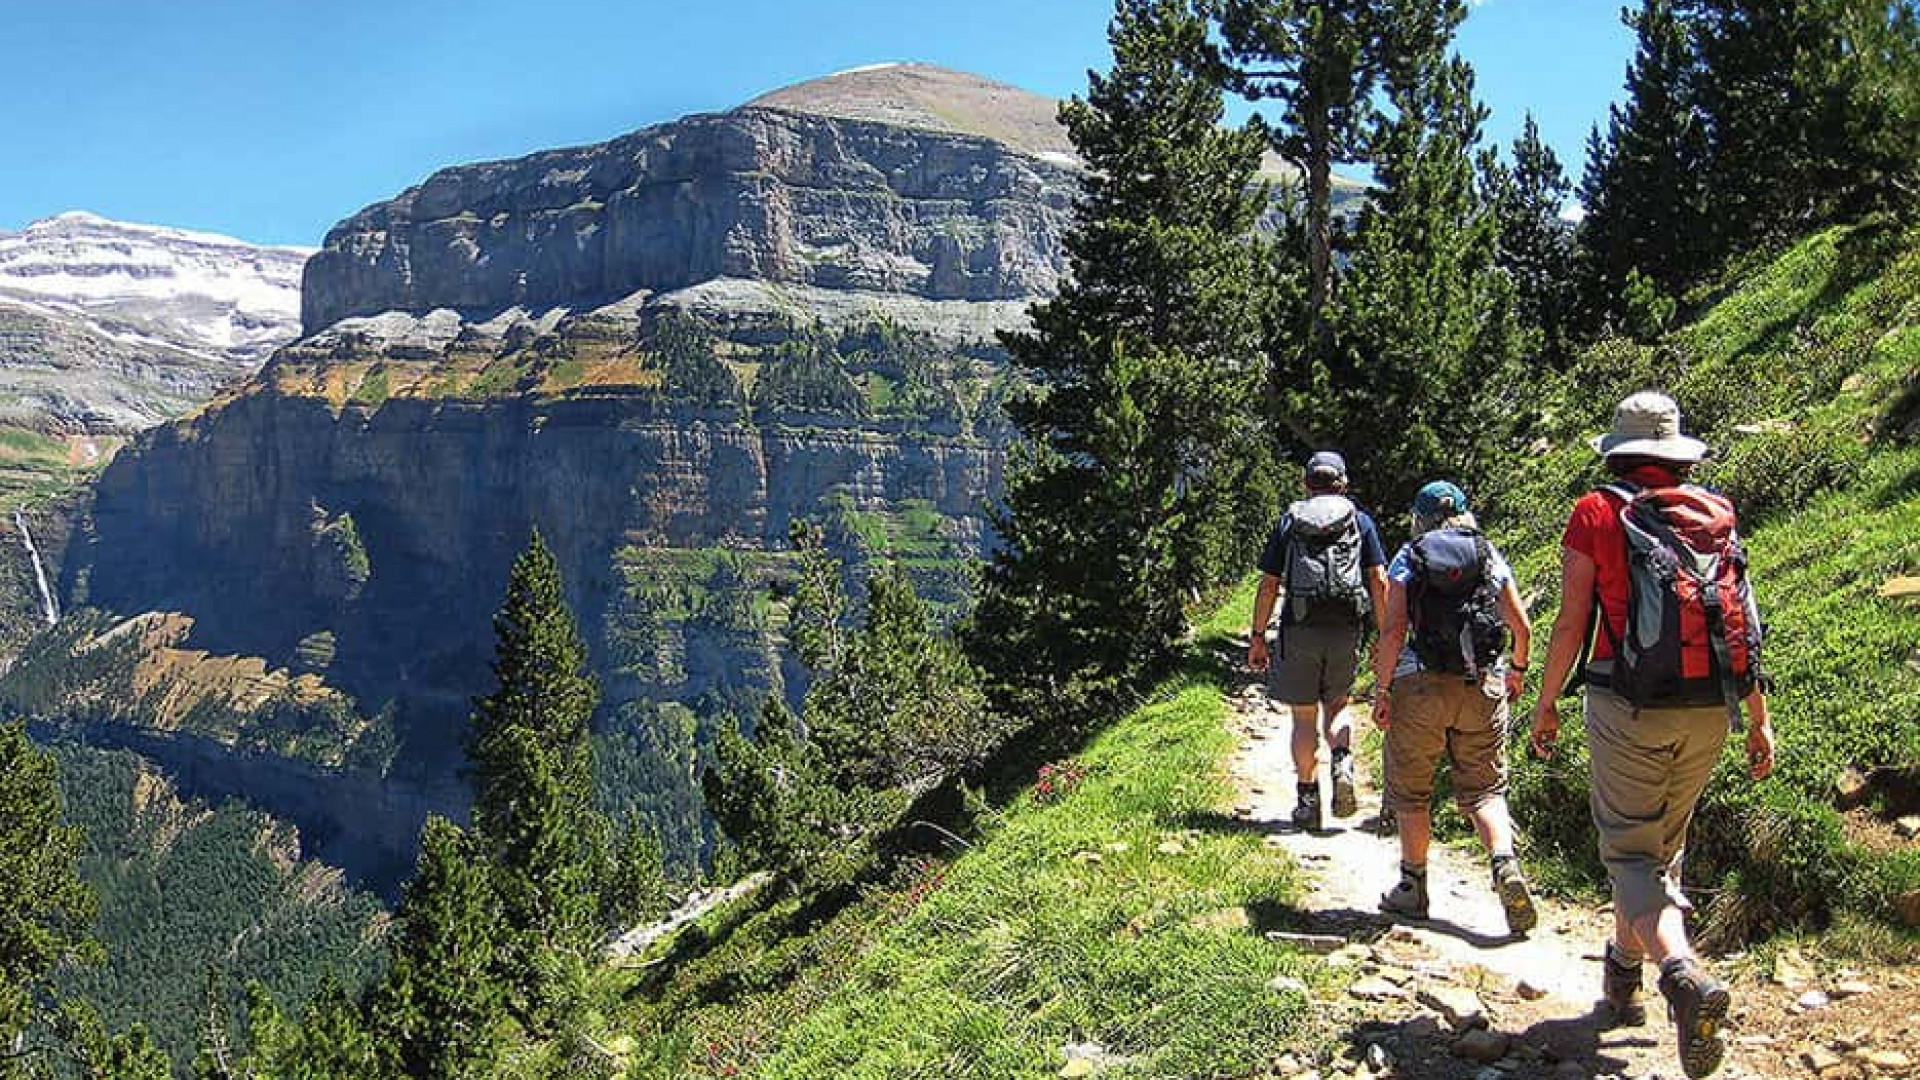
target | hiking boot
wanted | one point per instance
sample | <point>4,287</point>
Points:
<point>1344,803</point>
<point>1408,898</point>
<point>1620,987</point>
<point>1696,1003</point>
<point>1515,900</point>
<point>1306,812</point>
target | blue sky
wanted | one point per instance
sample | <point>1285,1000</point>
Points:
<point>272,119</point>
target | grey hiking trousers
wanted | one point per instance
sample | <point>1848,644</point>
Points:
<point>1649,769</point>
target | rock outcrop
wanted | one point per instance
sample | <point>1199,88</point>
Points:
<point>764,193</point>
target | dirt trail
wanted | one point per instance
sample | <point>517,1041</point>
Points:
<point>1538,994</point>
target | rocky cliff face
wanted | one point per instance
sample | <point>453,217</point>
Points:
<point>658,351</point>
<point>757,193</point>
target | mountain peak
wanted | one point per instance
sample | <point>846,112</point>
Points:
<point>930,98</point>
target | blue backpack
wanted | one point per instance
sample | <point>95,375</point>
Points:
<point>1453,605</point>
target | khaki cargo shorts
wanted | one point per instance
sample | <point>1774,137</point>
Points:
<point>1314,664</point>
<point>1649,768</point>
<point>1444,714</point>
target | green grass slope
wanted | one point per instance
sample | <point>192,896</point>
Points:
<point>1804,374</point>
<point>1110,905</point>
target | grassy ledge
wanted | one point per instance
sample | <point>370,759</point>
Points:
<point>1112,911</point>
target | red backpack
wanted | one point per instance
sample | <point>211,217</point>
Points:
<point>1693,634</point>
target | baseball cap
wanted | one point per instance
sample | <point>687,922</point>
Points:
<point>1440,498</point>
<point>1327,464</point>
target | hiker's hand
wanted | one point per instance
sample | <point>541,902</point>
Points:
<point>1516,683</point>
<point>1382,708</point>
<point>1546,730</point>
<point>1257,653</point>
<point>1760,749</point>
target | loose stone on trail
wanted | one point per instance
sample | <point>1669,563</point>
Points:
<point>1459,1006</point>
<point>1320,944</point>
<point>1482,1045</point>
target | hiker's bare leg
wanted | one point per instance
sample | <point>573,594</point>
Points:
<point>1306,743</point>
<point>1416,834</point>
<point>1495,826</point>
<point>1339,724</point>
<point>1664,933</point>
<point>1624,936</point>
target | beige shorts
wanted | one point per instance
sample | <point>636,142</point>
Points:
<point>1444,714</point>
<point>1649,769</point>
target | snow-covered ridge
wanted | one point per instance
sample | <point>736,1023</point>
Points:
<point>79,257</point>
<point>111,326</point>
<point>201,292</point>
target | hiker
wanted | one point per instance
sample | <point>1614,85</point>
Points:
<point>1672,661</point>
<point>1326,558</point>
<point>1441,686</point>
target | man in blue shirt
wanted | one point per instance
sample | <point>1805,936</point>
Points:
<point>1326,560</point>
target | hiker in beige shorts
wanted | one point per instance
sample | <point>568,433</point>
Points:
<point>1652,760</point>
<point>1442,688</point>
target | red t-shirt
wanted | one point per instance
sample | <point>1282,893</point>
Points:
<point>1594,530</point>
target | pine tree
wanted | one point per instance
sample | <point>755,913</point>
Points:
<point>634,887</point>
<point>1645,189</point>
<point>442,1005</point>
<point>1142,440</point>
<point>1806,111</point>
<point>1321,61</point>
<point>1535,242</point>
<point>534,814</point>
<point>1427,343</point>
<point>333,1042</point>
<point>904,707</point>
<point>96,1055</point>
<point>45,909</point>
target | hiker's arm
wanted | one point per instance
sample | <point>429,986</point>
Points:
<point>1563,649</point>
<point>1263,602</point>
<point>1513,612</point>
<point>1759,735</point>
<point>1377,587</point>
<point>1386,651</point>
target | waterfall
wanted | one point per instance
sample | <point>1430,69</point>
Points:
<point>48,606</point>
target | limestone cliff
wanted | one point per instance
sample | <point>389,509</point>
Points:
<point>659,351</point>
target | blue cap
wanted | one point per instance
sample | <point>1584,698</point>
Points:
<point>1440,499</point>
<point>1327,463</point>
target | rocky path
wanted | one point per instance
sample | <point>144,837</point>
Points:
<point>1457,996</point>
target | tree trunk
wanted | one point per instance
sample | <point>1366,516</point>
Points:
<point>1319,166</point>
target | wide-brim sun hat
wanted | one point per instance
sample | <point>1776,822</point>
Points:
<point>1647,424</point>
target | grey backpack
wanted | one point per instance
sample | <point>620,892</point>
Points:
<point>1323,580</point>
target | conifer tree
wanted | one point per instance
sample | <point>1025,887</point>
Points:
<point>1423,374</point>
<point>534,814</point>
<point>1321,61</point>
<point>442,1005</point>
<point>903,708</point>
<point>96,1055</point>
<point>45,909</point>
<point>1142,439</point>
<point>1645,186</point>
<point>1810,110</point>
<point>1535,243</point>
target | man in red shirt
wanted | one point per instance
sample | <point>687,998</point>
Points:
<point>1649,764</point>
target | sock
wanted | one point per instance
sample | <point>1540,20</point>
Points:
<point>1308,791</point>
<point>1417,873</point>
<point>1621,957</point>
<point>1674,965</point>
<point>1501,858</point>
<point>1341,753</point>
